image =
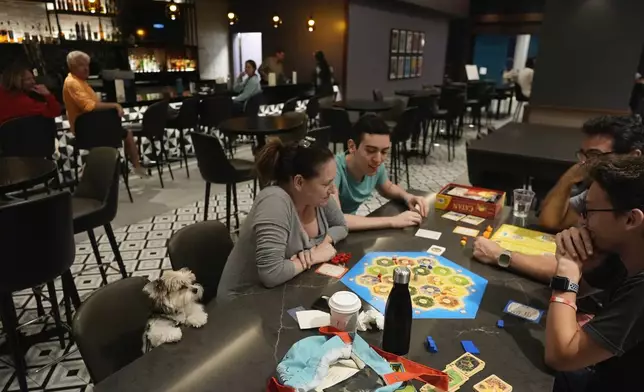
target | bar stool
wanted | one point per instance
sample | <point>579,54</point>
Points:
<point>338,120</point>
<point>188,118</point>
<point>212,112</point>
<point>35,255</point>
<point>290,105</point>
<point>402,133</point>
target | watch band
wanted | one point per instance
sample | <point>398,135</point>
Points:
<point>564,301</point>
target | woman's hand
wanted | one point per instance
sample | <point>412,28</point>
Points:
<point>322,253</point>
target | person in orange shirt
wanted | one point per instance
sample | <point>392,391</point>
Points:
<point>79,98</point>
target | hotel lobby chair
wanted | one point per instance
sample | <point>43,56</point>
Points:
<point>212,112</point>
<point>100,128</point>
<point>313,111</point>
<point>202,247</point>
<point>405,127</point>
<point>338,120</point>
<point>251,109</point>
<point>109,326</point>
<point>95,202</point>
<point>38,247</point>
<point>290,105</point>
<point>152,128</point>
<point>215,168</point>
<point>188,118</point>
<point>521,101</point>
<point>321,136</point>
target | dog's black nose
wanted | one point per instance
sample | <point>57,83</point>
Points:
<point>194,290</point>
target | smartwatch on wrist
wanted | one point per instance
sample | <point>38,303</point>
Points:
<point>505,258</point>
<point>561,283</point>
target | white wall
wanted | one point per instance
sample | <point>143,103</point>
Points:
<point>212,33</point>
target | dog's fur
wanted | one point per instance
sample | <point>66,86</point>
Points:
<point>174,296</point>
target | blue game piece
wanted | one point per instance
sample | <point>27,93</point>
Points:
<point>500,324</point>
<point>469,347</point>
<point>431,345</point>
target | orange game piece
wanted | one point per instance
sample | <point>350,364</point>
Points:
<point>489,229</point>
<point>463,242</point>
<point>487,234</point>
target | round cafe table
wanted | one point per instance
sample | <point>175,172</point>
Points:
<point>19,173</point>
<point>364,105</point>
<point>261,126</point>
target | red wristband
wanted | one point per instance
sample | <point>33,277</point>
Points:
<point>564,301</point>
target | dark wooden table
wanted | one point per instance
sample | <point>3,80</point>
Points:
<point>239,348</point>
<point>418,93</point>
<point>364,105</point>
<point>260,127</point>
<point>21,173</point>
<point>520,153</point>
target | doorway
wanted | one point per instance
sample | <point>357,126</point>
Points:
<point>246,46</point>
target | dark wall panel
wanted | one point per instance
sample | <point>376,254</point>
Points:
<point>292,36</point>
<point>368,49</point>
<point>588,54</point>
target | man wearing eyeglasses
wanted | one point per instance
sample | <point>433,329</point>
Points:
<point>603,136</point>
<point>612,343</point>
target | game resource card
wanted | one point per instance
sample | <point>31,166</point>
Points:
<point>524,311</point>
<point>493,384</point>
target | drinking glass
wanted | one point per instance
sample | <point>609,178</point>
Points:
<point>522,202</point>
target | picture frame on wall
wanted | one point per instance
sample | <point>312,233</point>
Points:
<point>412,71</point>
<point>410,41</point>
<point>402,42</point>
<point>393,67</point>
<point>407,73</point>
<point>421,42</point>
<point>416,44</point>
<point>419,65</point>
<point>394,40</point>
<point>401,67</point>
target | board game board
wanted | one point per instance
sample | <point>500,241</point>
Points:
<point>439,288</point>
<point>530,242</point>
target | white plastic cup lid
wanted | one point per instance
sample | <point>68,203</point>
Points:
<point>344,302</point>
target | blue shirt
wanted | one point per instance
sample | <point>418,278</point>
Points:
<point>247,88</point>
<point>353,193</point>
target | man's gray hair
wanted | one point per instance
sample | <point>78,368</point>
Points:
<point>74,56</point>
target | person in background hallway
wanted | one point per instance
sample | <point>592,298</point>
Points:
<point>323,77</point>
<point>525,76</point>
<point>20,96</point>
<point>246,85</point>
<point>274,64</point>
<point>79,98</point>
<point>294,223</point>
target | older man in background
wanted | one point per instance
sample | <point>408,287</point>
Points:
<point>79,98</point>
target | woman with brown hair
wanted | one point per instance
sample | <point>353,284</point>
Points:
<point>293,224</point>
<point>20,96</point>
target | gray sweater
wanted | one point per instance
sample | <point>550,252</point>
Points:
<point>270,236</point>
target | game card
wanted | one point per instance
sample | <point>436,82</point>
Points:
<point>456,378</point>
<point>292,312</point>
<point>432,235</point>
<point>436,250</point>
<point>453,215</point>
<point>493,384</point>
<point>334,271</point>
<point>524,311</point>
<point>473,220</point>
<point>308,319</point>
<point>468,364</point>
<point>466,231</point>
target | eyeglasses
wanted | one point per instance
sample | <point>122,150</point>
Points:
<point>590,154</point>
<point>584,212</point>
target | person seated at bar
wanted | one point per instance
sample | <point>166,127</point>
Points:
<point>294,222</point>
<point>525,77</point>
<point>323,76</point>
<point>604,354</point>
<point>361,170</point>
<point>246,85</point>
<point>606,135</point>
<point>273,64</point>
<point>20,96</point>
<point>79,98</point>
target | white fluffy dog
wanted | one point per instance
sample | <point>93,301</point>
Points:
<point>175,296</point>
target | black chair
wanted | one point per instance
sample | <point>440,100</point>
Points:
<point>313,111</point>
<point>31,136</point>
<point>203,248</point>
<point>188,118</point>
<point>321,136</point>
<point>152,128</point>
<point>377,96</point>
<point>108,328</point>
<point>290,105</point>
<point>402,133</point>
<point>251,109</point>
<point>338,120</point>
<point>100,128</point>
<point>451,109</point>
<point>215,168</point>
<point>425,105</point>
<point>212,112</point>
<point>35,254</point>
<point>521,101</point>
<point>95,202</point>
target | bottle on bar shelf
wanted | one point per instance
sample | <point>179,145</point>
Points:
<point>10,37</point>
<point>68,6</point>
<point>101,33</point>
<point>4,36</point>
<point>88,30</point>
<point>78,32</point>
<point>82,31</point>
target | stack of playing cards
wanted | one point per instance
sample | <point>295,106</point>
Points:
<point>459,372</point>
<point>493,384</point>
<point>524,311</point>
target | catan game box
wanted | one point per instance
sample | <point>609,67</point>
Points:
<point>486,203</point>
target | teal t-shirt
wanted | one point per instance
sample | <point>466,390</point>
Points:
<point>353,193</point>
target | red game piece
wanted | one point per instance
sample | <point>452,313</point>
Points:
<point>379,277</point>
